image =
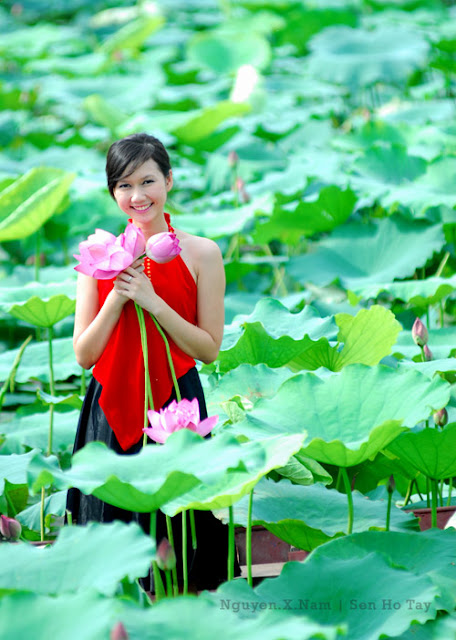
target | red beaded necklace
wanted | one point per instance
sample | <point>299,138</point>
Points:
<point>148,261</point>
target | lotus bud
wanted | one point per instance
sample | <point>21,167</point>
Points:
<point>10,528</point>
<point>427,353</point>
<point>163,247</point>
<point>119,632</point>
<point>240,188</point>
<point>233,159</point>
<point>166,557</point>
<point>419,333</point>
<point>390,487</point>
<point>441,417</point>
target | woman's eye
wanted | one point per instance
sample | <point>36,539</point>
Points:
<point>122,186</point>
<point>148,181</point>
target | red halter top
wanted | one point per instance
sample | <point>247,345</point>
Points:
<point>120,369</point>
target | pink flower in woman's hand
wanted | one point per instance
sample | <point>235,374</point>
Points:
<point>163,247</point>
<point>103,255</point>
<point>178,415</point>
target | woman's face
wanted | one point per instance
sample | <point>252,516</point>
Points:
<point>142,194</point>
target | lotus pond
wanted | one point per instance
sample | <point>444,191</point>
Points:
<point>316,143</point>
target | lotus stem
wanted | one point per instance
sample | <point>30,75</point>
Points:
<point>428,492</point>
<point>69,517</point>
<point>170,359</point>
<point>191,515</point>
<point>169,585</point>
<point>158,582</point>
<point>148,398</point>
<point>37,254</point>
<point>51,391</point>
<point>169,528</point>
<point>442,319</point>
<point>450,489</point>
<point>248,541</point>
<point>43,495</point>
<point>439,271</point>
<point>184,553</point>
<point>409,491</point>
<point>83,382</point>
<point>348,491</point>
<point>231,547</point>
<point>388,511</point>
<point>9,382</point>
<point>434,503</point>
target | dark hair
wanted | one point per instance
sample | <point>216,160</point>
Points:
<point>130,153</point>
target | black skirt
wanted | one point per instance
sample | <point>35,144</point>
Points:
<point>207,565</point>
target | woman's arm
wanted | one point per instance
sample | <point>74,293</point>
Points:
<point>203,340</point>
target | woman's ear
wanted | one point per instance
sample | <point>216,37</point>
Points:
<point>169,180</point>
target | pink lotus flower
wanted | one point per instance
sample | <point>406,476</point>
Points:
<point>103,255</point>
<point>10,528</point>
<point>178,415</point>
<point>163,247</point>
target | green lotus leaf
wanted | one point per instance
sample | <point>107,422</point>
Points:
<point>307,517</point>
<point>304,471</point>
<point>249,383</point>
<point>228,488</point>
<point>348,417</point>
<point>17,295</point>
<point>132,35</point>
<point>187,618</point>
<point>14,468</point>
<point>419,293</point>
<point>360,57</point>
<point>332,208</point>
<point>32,431</point>
<point>430,451</point>
<point>226,52</point>
<point>31,200</point>
<point>206,122</point>
<point>55,504</point>
<point>369,135</point>
<point>223,222</point>
<point>359,254</point>
<point>272,335</point>
<point>430,553</point>
<point>35,361</point>
<point>347,594</point>
<point>380,168</point>
<point>441,342</point>
<point>72,400</point>
<point>62,616</point>
<point>430,368</point>
<point>96,556</point>
<point>160,474</point>
<point>431,189</point>
<point>103,112</point>
<point>41,313</point>
<point>368,336</point>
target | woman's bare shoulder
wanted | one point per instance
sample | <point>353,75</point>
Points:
<point>198,246</point>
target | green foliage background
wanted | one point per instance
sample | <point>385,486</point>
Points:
<point>316,143</point>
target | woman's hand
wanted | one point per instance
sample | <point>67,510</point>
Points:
<point>133,284</point>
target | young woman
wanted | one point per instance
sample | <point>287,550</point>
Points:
<point>186,297</point>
